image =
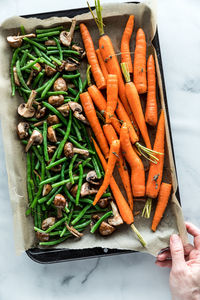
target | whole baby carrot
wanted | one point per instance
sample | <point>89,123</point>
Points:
<point>125,43</point>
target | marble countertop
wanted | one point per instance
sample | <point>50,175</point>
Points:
<point>130,276</point>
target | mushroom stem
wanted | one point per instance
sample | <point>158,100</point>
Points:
<point>142,241</point>
<point>72,28</point>
<point>30,77</point>
<point>81,151</point>
<point>16,79</point>
<point>36,138</point>
<point>31,99</point>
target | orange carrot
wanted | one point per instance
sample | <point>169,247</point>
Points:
<point>112,96</point>
<point>135,104</point>
<point>151,107</point>
<point>113,156</point>
<point>111,135</point>
<point>139,65</point>
<point>165,190</point>
<point>125,43</point>
<point>90,113</point>
<point>124,209</point>
<point>136,165</point>
<point>92,58</point>
<point>102,64</point>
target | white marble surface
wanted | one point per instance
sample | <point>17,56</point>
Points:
<point>132,276</point>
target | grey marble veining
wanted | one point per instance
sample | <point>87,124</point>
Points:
<point>131,276</point>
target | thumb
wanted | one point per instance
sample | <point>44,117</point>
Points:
<point>177,252</point>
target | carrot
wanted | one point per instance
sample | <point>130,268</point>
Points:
<point>124,209</point>
<point>112,96</point>
<point>165,190</point>
<point>102,64</point>
<point>92,58</point>
<point>125,43</point>
<point>111,135</point>
<point>136,165</point>
<point>113,156</point>
<point>139,65</point>
<point>90,113</point>
<point>156,170</point>
<point>151,106</point>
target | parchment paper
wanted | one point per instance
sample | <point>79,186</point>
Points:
<point>115,17</point>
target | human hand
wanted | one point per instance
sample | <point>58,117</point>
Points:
<point>184,262</point>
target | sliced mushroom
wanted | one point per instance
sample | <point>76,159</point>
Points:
<point>60,203</point>
<point>79,50</point>
<point>34,72</point>
<point>16,79</point>
<point>46,189</point>
<point>92,178</point>
<point>30,78</point>
<point>87,190</point>
<point>106,229</point>
<point>52,119</point>
<point>56,100</point>
<point>48,223</point>
<point>73,190</point>
<point>64,109</point>
<point>70,150</point>
<point>73,231</point>
<point>71,64</point>
<point>51,150</point>
<point>22,130</point>
<point>103,202</point>
<point>61,67</point>
<point>50,43</point>
<point>40,113</point>
<point>51,134</point>
<point>57,168</point>
<point>81,118</point>
<point>36,138</point>
<point>116,220</point>
<point>66,37</point>
<point>16,41</point>
<point>60,85</point>
<point>69,185</point>
<point>49,70</point>
<point>77,110</point>
<point>26,110</point>
<point>40,123</point>
<point>42,237</point>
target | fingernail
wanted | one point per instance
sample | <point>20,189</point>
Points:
<point>174,238</point>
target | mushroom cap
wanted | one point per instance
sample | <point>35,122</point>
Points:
<point>26,112</point>
<point>68,150</point>
<point>40,113</point>
<point>50,43</point>
<point>73,190</point>
<point>51,150</point>
<point>64,109</point>
<point>56,168</point>
<point>86,190</point>
<point>53,119</point>
<point>49,70</point>
<point>106,229</point>
<point>42,237</point>
<point>51,134</point>
<point>56,100</point>
<point>92,178</point>
<point>36,138</point>
<point>22,130</point>
<point>65,38</point>
<point>14,41</point>
<point>46,189</point>
<point>59,201</point>
<point>48,222</point>
<point>75,106</point>
<point>103,202</point>
<point>60,85</point>
<point>71,64</point>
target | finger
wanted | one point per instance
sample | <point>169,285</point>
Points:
<point>195,231</point>
<point>177,252</point>
<point>164,264</point>
<point>188,248</point>
<point>164,255</point>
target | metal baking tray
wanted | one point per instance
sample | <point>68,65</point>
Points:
<point>46,256</point>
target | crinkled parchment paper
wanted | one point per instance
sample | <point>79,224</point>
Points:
<point>115,17</point>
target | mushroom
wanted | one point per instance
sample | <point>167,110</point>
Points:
<point>116,220</point>
<point>69,185</point>
<point>66,37</point>
<point>103,202</point>
<point>52,119</point>
<point>49,70</point>
<point>77,110</point>
<point>22,130</point>
<point>56,100</point>
<point>73,190</point>
<point>79,50</point>
<point>33,72</point>
<point>36,138</point>
<point>106,229</point>
<point>26,110</point>
<point>46,189</point>
<point>61,67</point>
<point>42,237</point>
<point>92,178</point>
<point>16,41</point>
<point>60,203</point>
<point>64,109</point>
<point>60,85</point>
<point>50,43</point>
<point>73,231</point>
<point>87,190</point>
<point>48,222</point>
<point>16,79</point>
<point>71,64</point>
<point>51,150</point>
<point>70,150</point>
<point>40,113</point>
<point>51,134</point>
<point>56,168</point>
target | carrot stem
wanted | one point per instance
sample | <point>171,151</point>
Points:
<point>88,75</point>
<point>146,213</point>
<point>98,20</point>
<point>142,241</point>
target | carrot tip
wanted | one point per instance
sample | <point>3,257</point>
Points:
<point>146,213</point>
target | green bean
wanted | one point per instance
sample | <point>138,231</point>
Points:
<point>98,223</point>
<point>86,200</point>
<point>55,126</point>
<point>52,47</point>
<point>30,55</point>
<point>81,214</point>
<point>49,85</point>
<point>35,218</point>
<point>54,156</point>
<point>51,165</point>
<point>19,74</point>
<point>56,224</point>
<point>52,197</point>
<point>49,180</point>
<point>78,134</point>
<point>28,167</point>
<point>46,155</point>
<point>69,196</point>
<point>84,84</point>
<point>34,43</point>
<point>80,85</point>
<point>46,30</point>
<point>40,158</point>
<point>60,183</point>
<point>75,82</point>
<point>37,78</point>
<point>68,52</point>
<point>37,51</point>
<point>105,195</point>
<point>57,93</point>
<point>40,89</point>
<point>48,173</point>
<point>37,166</point>
<point>38,208</point>
<point>71,139</point>
<point>40,39</point>
<point>63,231</point>
<point>47,197</point>
<point>56,60</point>
<point>41,35</point>
<point>56,242</point>
<point>24,56</point>
<point>71,76</point>
<point>83,225</point>
<point>22,29</point>
<point>77,97</point>
<point>71,168</point>
<point>30,65</point>
<point>80,181</point>
<point>59,48</point>
<point>72,91</point>
<point>62,143</point>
